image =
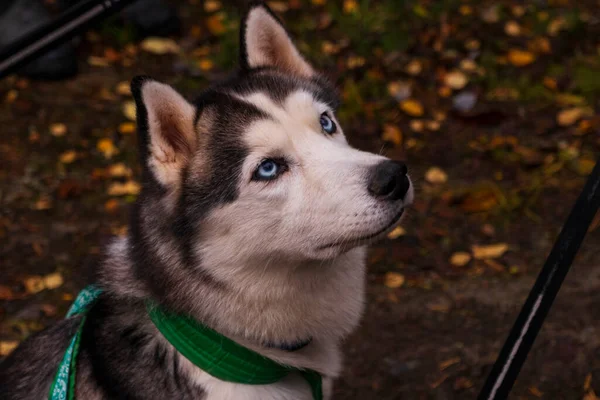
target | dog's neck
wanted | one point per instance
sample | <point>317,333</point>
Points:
<point>283,304</point>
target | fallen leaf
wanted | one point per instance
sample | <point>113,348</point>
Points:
<point>7,347</point>
<point>278,6</point>
<point>205,64</point>
<point>33,284</point>
<point>520,58</point>
<point>96,61</point>
<point>160,46</point>
<point>58,130</point>
<point>111,205</point>
<point>396,233</point>
<point>571,115</point>
<point>124,88</point>
<point>129,110</point>
<point>215,25</point>
<point>512,28</point>
<point>489,251</point>
<point>399,90</point>
<point>465,9</point>
<point>587,384</point>
<point>448,363</point>
<point>211,6</point>
<point>414,67</point>
<point>535,391</point>
<point>444,91</point>
<point>391,133</point>
<point>350,6</point>
<point>417,125</point>
<point>462,383</point>
<point>127,128</point>
<point>122,189</point>
<point>53,281</point>
<point>119,170</point>
<point>11,96</point>
<point>433,125</point>
<point>491,14</point>
<point>468,65</point>
<point>6,293</point>
<point>585,166</point>
<point>106,147</point>
<point>43,203</point>
<point>460,259</point>
<point>436,175</point>
<point>555,26</point>
<point>394,280</point>
<point>68,157</point>
<point>412,107</point>
<point>456,80</point>
<point>355,62</point>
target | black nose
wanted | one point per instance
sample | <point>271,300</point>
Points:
<point>389,181</point>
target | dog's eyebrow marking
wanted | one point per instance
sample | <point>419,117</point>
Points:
<point>300,104</point>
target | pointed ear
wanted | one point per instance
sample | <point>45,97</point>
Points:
<point>264,42</point>
<point>167,135</point>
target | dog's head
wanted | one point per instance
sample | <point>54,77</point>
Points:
<point>258,168</point>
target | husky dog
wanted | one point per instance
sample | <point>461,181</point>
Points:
<point>254,218</point>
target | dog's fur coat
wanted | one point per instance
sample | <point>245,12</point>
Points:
<point>274,262</point>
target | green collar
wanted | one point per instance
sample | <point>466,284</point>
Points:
<point>220,356</point>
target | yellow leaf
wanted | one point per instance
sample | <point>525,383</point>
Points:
<point>7,347</point>
<point>417,125</point>
<point>122,189</point>
<point>587,384</point>
<point>555,26</point>
<point>96,61</point>
<point>215,25</point>
<point>489,251</point>
<point>278,6</point>
<point>520,58</point>
<point>392,133</point>
<point>124,88</point>
<point>127,128</point>
<point>396,233</point>
<point>160,46</point>
<point>399,90</point>
<point>329,48</point>
<point>568,99</point>
<point>355,62</point>
<point>11,96</point>
<point>448,363</point>
<point>433,125</point>
<point>571,115</point>
<point>53,281</point>
<point>465,9</point>
<point>412,107</point>
<point>436,175</point>
<point>350,6</point>
<point>211,6</point>
<point>318,2</point>
<point>68,157</point>
<point>468,65</point>
<point>394,280</point>
<point>444,91</point>
<point>460,259</point>
<point>535,391</point>
<point>472,44</point>
<point>550,83</point>
<point>129,110</point>
<point>414,67</point>
<point>456,80</point>
<point>58,130</point>
<point>106,147</point>
<point>33,284</point>
<point>512,28</point>
<point>119,170</point>
<point>44,203</point>
<point>205,64</point>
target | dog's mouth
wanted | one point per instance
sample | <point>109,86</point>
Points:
<point>362,239</point>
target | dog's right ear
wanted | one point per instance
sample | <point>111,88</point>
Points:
<point>166,132</point>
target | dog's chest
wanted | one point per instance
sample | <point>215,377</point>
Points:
<point>292,387</point>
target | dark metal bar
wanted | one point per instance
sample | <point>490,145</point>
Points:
<point>64,27</point>
<point>536,307</point>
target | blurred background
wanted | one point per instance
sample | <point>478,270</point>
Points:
<point>493,105</point>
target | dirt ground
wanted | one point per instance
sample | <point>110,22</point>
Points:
<point>499,147</point>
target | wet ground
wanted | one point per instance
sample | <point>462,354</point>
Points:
<point>499,147</point>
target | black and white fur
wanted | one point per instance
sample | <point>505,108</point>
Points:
<point>266,263</point>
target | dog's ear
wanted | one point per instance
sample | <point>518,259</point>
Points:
<point>264,42</point>
<point>167,136</point>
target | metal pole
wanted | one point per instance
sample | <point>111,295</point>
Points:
<point>534,311</point>
<point>68,24</point>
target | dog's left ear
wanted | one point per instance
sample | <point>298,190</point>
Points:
<point>264,42</point>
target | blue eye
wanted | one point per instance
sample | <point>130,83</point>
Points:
<point>327,124</point>
<point>267,170</point>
